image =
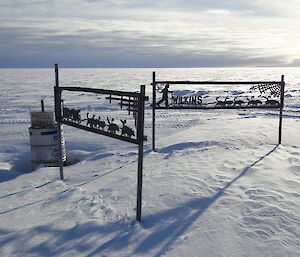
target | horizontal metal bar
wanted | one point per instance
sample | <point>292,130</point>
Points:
<point>100,91</point>
<point>217,107</point>
<point>146,98</point>
<point>216,82</point>
<point>101,132</point>
<point>122,99</point>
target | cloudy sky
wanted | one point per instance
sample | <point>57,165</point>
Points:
<point>144,33</point>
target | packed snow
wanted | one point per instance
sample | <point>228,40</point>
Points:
<point>217,185</point>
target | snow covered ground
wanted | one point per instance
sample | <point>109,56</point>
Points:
<point>218,184</point>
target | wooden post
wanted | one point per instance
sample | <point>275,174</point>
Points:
<point>140,136</point>
<point>58,115</point>
<point>282,84</point>
<point>153,109</point>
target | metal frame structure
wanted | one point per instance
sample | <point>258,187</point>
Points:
<point>133,101</point>
<point>279,106</point>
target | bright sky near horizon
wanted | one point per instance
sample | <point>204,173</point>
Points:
<point>143,33</point>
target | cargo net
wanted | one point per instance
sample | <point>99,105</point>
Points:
<point>273,89</point>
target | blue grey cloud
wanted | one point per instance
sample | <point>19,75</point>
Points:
<point>110,33</point>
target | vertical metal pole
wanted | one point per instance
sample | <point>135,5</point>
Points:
<point>129,106</point>
<point>281,108</point>
<point>57,93</point>
<point>153,109</point>
<point>42,106</point>
<point>140,136</point>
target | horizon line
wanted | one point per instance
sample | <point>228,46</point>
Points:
<point>193,67</point>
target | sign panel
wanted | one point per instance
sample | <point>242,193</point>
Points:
<point>260,95</point>
<point>130,102</point>
<point>269,97</point>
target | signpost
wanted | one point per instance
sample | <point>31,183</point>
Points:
<point>270,91</point>
<point>133,102</point>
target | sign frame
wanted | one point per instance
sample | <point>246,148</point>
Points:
<point>155,82</point>
<point>134,101</point>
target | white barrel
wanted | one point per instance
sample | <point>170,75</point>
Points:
<point>44,146</point>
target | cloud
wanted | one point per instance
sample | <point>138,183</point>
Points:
<point>137,34</point>
<point>255,7</point>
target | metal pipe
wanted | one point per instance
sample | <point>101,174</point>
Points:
<point>153,109</point>
<point>42,106</point>
<point>282,84</point>
<point>140,135</point>
<point>57,94</point>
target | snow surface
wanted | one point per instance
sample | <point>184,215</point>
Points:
<point>218,184</point>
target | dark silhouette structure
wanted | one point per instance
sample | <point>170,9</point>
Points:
<point>133,101</point>
<point>274,88</point>
<point>165,96</point>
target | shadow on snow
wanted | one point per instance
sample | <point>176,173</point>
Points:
<point>166,227</point>
<point>17,166</point>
